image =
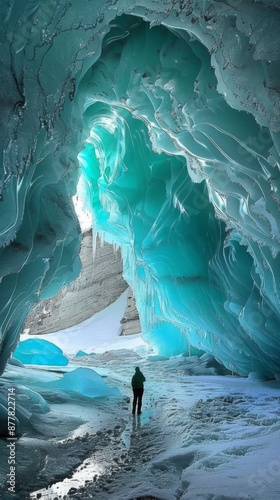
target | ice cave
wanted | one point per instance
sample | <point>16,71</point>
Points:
<point>163,117</point>
<point>169,111</point>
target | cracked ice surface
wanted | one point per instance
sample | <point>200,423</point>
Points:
<point>173,109</point>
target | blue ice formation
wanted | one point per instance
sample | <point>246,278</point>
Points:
<point>173,109</point>
<point>85,382</point>
<point>39,352</point>
<point>81,353</point>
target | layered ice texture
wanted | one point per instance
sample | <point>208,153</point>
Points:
<point>173,111</point>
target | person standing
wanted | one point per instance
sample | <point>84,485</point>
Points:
<point>137,383</point>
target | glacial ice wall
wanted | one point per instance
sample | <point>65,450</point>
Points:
<point>173,108</point>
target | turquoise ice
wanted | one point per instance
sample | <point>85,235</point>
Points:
<point>84,382</point>
<point>39,352</point>
<point>173,113</point>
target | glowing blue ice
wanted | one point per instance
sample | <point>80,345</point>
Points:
<point>173,109</point>
<point>85,382</point>
<point>39,352</point>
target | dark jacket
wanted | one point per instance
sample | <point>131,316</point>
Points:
<point>137,379</point>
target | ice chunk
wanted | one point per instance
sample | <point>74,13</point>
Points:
<point>81,353</point>
<point>39,352</point>
<point>85,382</point>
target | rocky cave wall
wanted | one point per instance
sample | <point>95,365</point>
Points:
<point>99,284</point>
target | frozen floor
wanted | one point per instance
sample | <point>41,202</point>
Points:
<point>200,436</point>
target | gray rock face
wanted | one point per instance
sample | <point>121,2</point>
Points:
<point>130,320</point>
<point>99,284</point>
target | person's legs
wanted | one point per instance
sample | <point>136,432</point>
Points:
<point>135,397</point>
<point>140,395</point>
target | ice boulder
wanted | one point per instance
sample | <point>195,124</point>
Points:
<point>81,353</point>
<point>39,352</point>
<point>85,382</point>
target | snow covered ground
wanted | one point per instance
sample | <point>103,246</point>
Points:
<point>201,435</point>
